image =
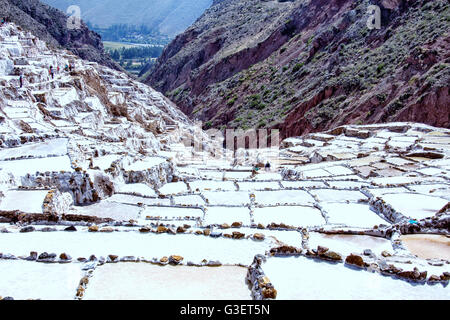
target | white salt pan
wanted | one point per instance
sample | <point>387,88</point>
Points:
<point>220,215</point>
<point>292,216</point>
<point>338,195</point>
<point>299,197</point>
<point>172,212</point>
<point>139,281</point>
<point>416,206</point>
<point>352,214</point>
<point>174,188</point>
<point>227,198</point>
<point>25,201</point>
<point>302,278</point>
<point>30,280</point>
<point>347,244</point>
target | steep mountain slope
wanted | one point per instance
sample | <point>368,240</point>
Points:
<point>50,25</point>
<point>169,17</point>
<point>305,66</point>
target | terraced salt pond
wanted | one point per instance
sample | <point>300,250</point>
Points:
<point>251,186</point>
<point>109,209</point>
<point>205,185</point>
<point>143,281</point>
<point>134,200</point>
<point>427,246</point>
<point>173,188</point>
<point>14,201</point>
<point>83,244</point>
<point>416,206</point>
<point>31,166</point>
<point>54,281</point>
<point>227,198</point>
<point>172,213</point>
<point>295,216</point>
<point>352,214</point>
<point>327,195</point>
<point>139,189</point>
<point>291,197</point>
<point>55,147</point>
<point>310,279</point>
<point>347,244</point>
<point>228,215</point>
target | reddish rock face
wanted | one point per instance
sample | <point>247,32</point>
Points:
<point>311,66</point>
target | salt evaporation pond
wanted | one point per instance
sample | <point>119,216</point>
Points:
<point>56,147</point>
<point>293,197</point>
<point>189,200</point>
<point>172,212</point>
<point>352,214</point>
<point>428,246</point>
<point>229,198</point>
<point>291,215</point>
<point>30,280</point>
<point>229,215</point>
<point>83,244</point>
<point>142,281</point>
<point>13,200</point>
<point>109,209</point>
<point>173,188</point>
<point>347,244</point>
<point>307,279</point>
<point>252,186</point>
<point>416,206</point>
<point>31,166</point>
<point>330,195</point>
<point>205,185</point>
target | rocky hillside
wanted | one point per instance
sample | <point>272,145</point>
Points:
<point>307,66</point>
<point>50,25</point>
<point>64,130</point>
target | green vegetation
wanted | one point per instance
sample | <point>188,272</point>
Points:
<point>381,97</point>
<point>380,67</point>
<point>208,125</point>
<point>394,107</point>
<point>131,34</point>
<point>175,93</point>
<point>133,57</point>
<point>112,45</point>
<point>298,66</point>
<point>231,101</point>
<point>255,102</point>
